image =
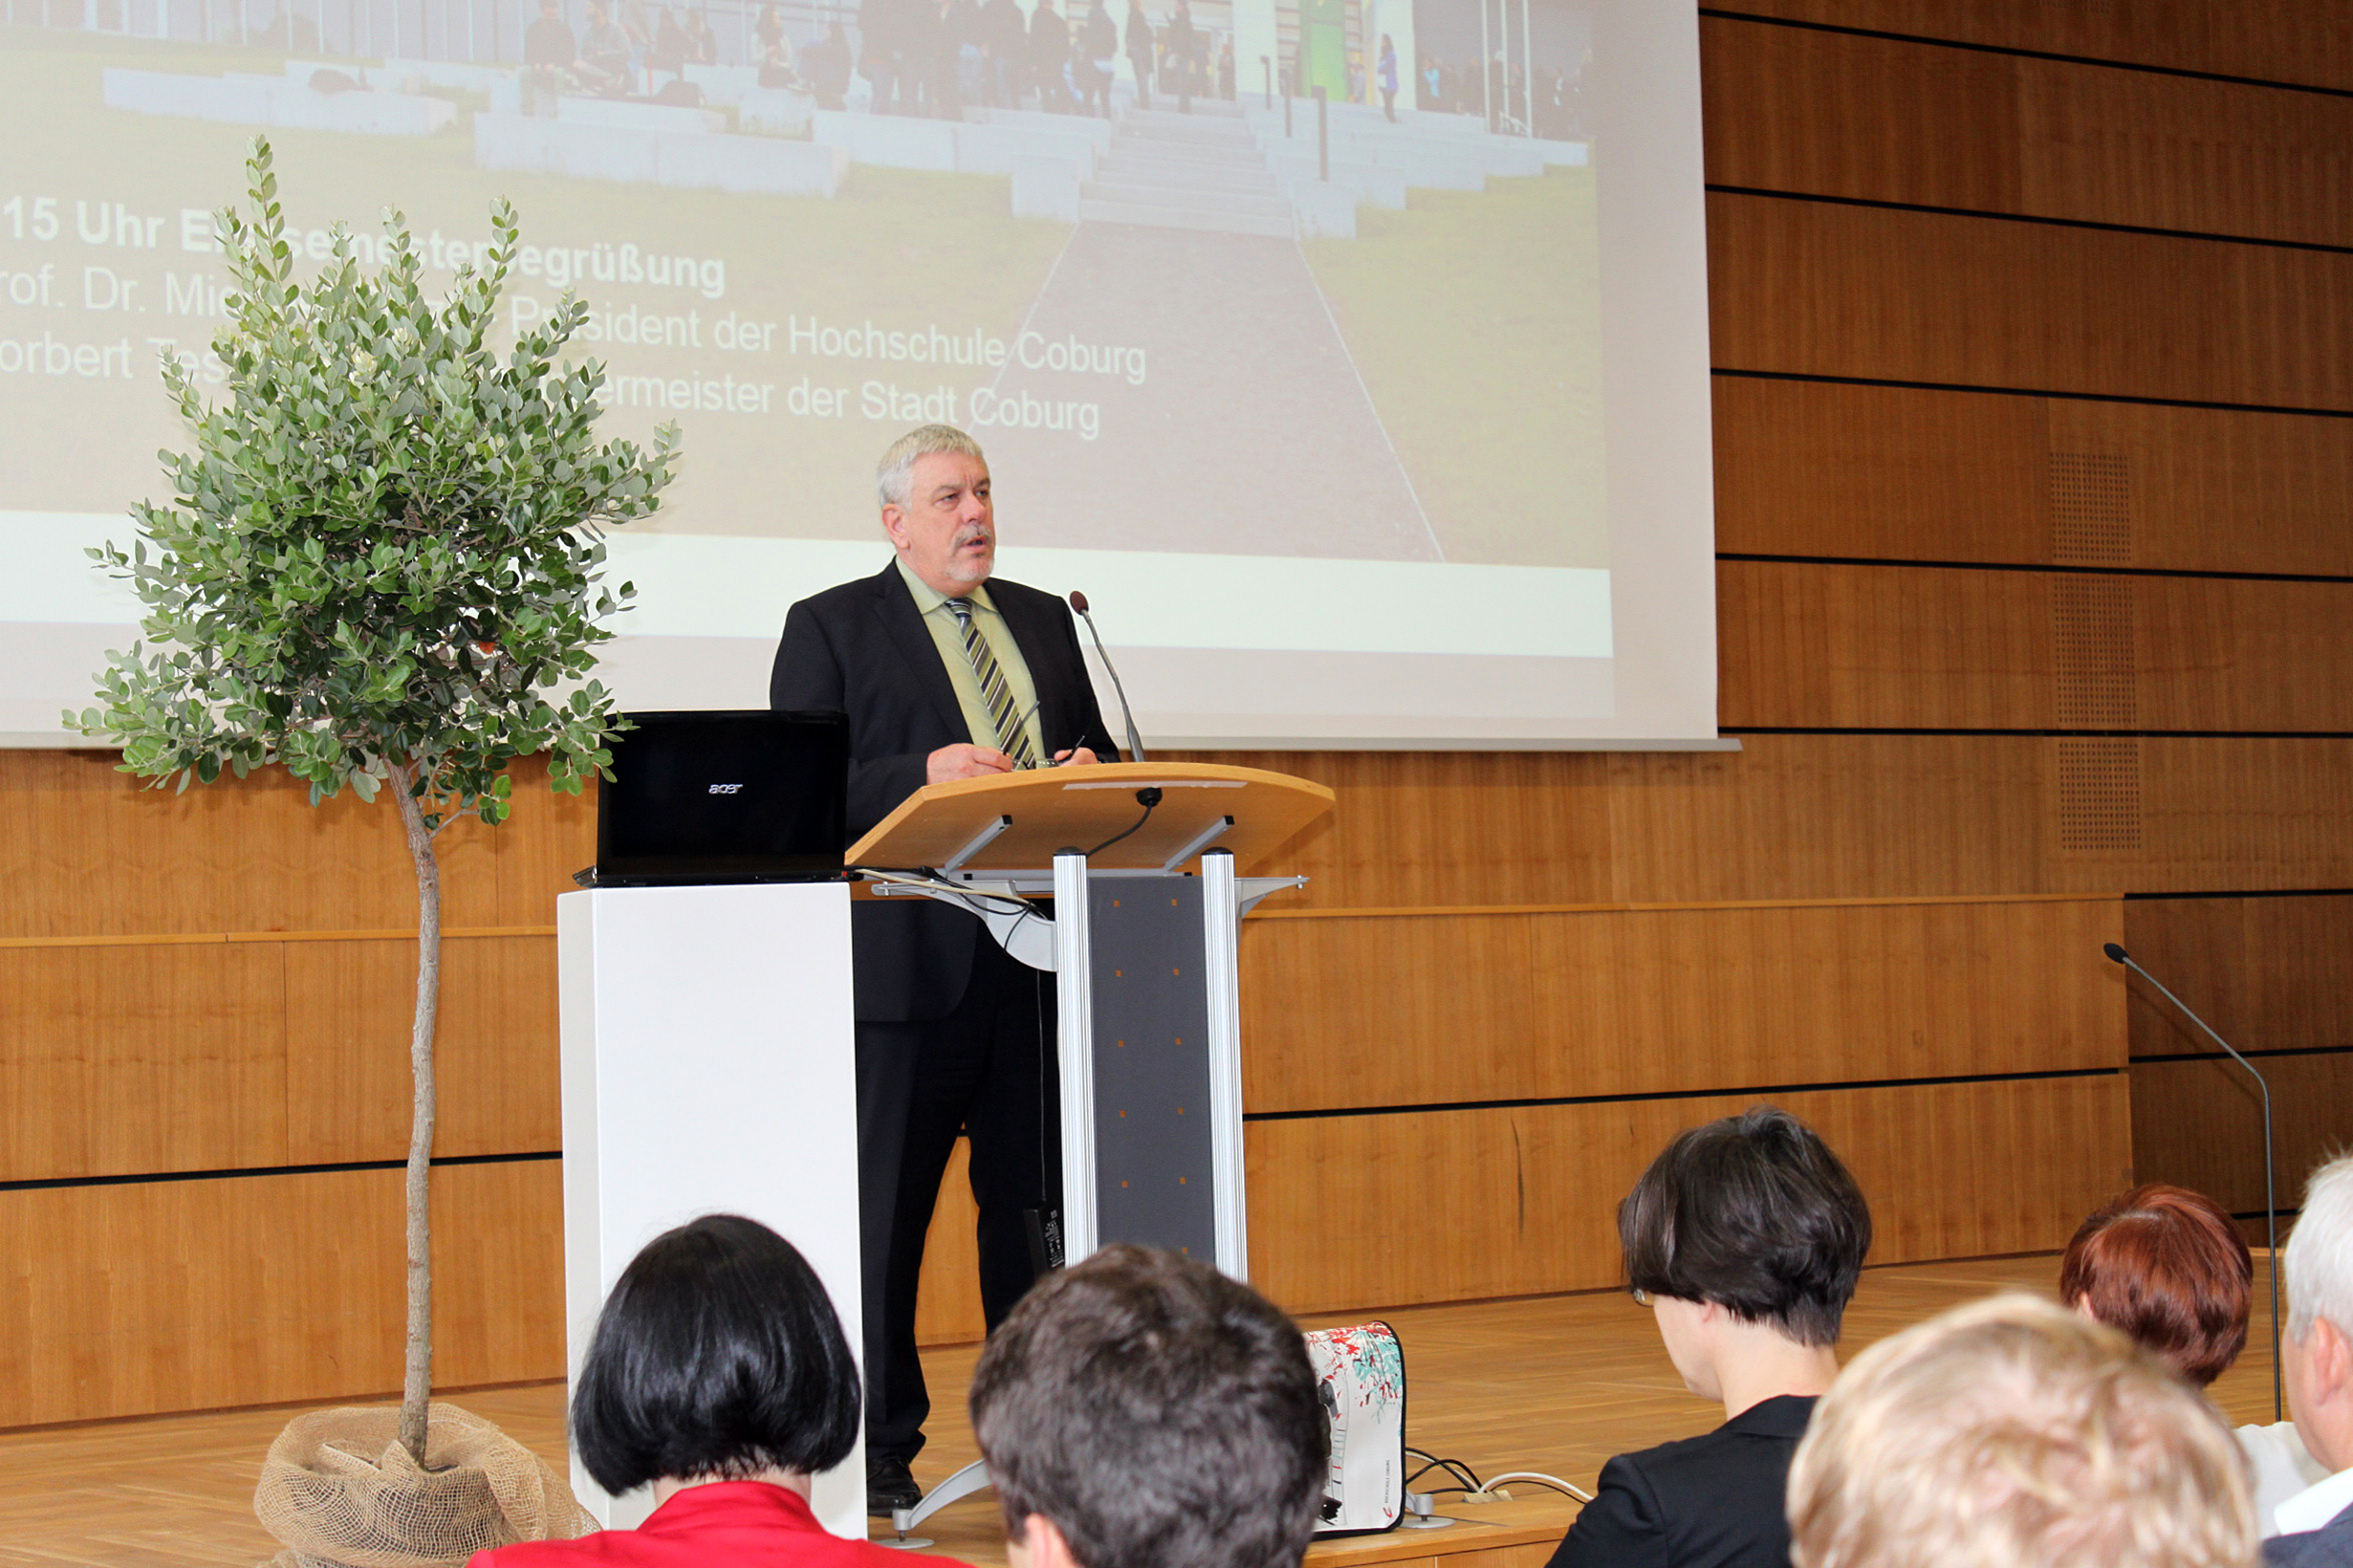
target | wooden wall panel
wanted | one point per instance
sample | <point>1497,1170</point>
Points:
<point>1869,815</point>
<point>1896,473</point>
<point>2221,654</point>
<point>1821,646</point>
<point>348,1011</point>
<point>2199,1123</point>
<point>1880,473</point>
<point>172,1295</point>
<point>1417,1011</point>
<point>1517,828</point>
<point>100,855</point>
<point>1359,1211</point>
<point>119,1060</point>
<point>1834,647</point>
<point>2218,490</point>
<point>1816,288</point>
<point>2246,813</point>
<point>947,1309</point>
<point>1789,817</point>
<point>1830,114</point>
<point>2270,974</point>
<point>107,856</point>
<point>126,1059</point>
<point>1814,816</point>
<point>1840,816</point>
<point>2307,41</point>
<point>2175,152</point>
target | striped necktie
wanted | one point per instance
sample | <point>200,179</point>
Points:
<point>1013,736</point>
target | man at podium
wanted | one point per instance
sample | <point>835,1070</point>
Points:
<point>944,674</point>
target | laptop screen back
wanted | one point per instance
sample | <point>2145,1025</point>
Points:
<point>725,796</point>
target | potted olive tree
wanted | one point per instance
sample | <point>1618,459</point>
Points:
<point>379,570</point>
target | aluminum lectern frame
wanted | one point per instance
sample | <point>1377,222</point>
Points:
<point>1148,1040</point>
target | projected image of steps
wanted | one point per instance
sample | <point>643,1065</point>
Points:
<point>1202,170</point>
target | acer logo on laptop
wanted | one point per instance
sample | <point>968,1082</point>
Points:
<point>725,789</point>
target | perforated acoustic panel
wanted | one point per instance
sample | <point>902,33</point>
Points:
<point>2091,508</point>
<point>2092,652</point>
<point>2098,795</point>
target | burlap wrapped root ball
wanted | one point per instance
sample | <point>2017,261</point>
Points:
<point>338,1490</point>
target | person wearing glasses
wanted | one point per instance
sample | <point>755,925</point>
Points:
<point>1744,1238</point>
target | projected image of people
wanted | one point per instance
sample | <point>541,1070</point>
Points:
<point>1231,280</point>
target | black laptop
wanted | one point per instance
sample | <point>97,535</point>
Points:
<point>723,796</point>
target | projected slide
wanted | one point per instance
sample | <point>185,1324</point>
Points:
<point>1286,325</point>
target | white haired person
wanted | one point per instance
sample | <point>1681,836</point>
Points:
<point>2316,1358</point>
<point>943,671</point>
<point>2013,1433</point>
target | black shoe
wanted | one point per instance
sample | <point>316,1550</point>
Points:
<point>890,1485</point>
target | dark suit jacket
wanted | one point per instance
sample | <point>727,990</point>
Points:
<point>862,649</point>
<point>1705,1502</point>
<point>2331,1546</point>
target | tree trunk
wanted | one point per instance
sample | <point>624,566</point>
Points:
<point>417,1373</point>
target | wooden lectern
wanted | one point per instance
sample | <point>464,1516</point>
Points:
<point>1143,952</point>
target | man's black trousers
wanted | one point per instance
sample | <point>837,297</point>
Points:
<point>985,1070</point>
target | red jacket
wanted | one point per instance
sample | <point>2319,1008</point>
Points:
<point>739,1524</point>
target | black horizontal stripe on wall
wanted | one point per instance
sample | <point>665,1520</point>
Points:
<point>2251,1053</point>
<point>2068,568</point>
<point>2021,52</point>
<point>2254,893</point>
<point>2056,735</point>
<point>2043,219</point>
<point>1678,1094</point>
<point>236,1172</point>
<point>1735,373</point>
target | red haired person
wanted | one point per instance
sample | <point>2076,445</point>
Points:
<point>2168,1268</point>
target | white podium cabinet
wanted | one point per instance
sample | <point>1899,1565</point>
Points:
<point>707,1068</point>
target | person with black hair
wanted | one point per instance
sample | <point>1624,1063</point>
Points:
<point>718,1374</point>
<point>1141,1410</point>
<point>1139,43</point>
<point>1745,1237</point>
<point>1050,58</point>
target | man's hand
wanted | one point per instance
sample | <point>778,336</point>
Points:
<point>1079,758</point>
<point>965,760</point>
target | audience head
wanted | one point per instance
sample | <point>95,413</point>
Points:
<point>717,1356</point>
<point>2013,1433</point>
<point>1756,1215</point>
<point>1142,1410</point>
<point>2168,1268</point>
<point>2316,1354</point>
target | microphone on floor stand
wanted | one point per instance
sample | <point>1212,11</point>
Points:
<point>2271,1206</point>
<point>1135,742</point>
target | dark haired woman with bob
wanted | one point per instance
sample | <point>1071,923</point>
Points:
<point>1745,1238</point>
<point>719,1375</point>
<point>2169,1267</point>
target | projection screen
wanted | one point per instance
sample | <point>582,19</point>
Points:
<point>1350,354</point>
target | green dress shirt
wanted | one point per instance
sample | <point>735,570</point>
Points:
<point>948,637</point>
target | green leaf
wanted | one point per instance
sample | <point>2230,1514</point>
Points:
<point>380,553</point>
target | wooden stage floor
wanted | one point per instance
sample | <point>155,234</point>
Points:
<point>1552,1384</point>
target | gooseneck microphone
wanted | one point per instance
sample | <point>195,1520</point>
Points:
<point>2271,1206</point>
<point>1135,742</point>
